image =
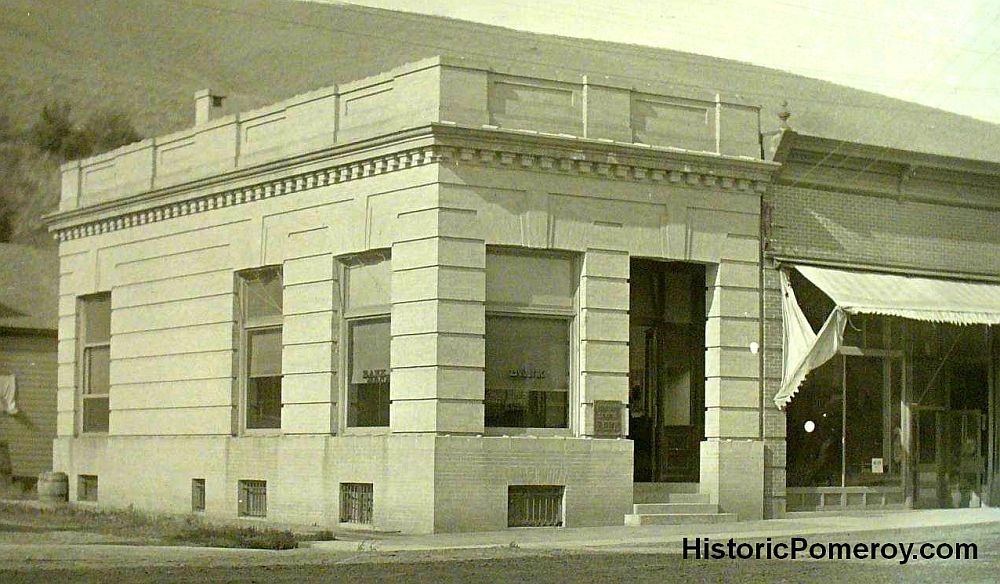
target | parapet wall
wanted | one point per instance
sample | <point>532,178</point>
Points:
<point>443,91</point>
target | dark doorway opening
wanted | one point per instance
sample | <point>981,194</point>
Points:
<point>666,369</point>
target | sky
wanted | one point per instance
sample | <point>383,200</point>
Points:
<point>941,54</point>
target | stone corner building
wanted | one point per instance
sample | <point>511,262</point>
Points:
<point>450,297</point>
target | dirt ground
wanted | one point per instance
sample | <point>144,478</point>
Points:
<point>36,557</point>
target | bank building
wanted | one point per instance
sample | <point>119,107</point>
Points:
<point>462,296</point>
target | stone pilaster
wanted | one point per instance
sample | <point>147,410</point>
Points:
<point>604,298</point>
<point>438,326</point>
<point>311,306</point>
<point>732,456</point>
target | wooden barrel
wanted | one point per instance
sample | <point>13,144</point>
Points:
<point>53,487</point>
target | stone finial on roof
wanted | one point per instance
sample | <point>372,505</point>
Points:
<point>784,114</point>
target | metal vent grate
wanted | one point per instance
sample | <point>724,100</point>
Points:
<point>535,506</point>
<point>253,498</point>
<point>197,494</point>
<point>86,488</point>
<point>357,500</point>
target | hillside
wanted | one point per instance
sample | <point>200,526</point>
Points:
<point>149,57</point>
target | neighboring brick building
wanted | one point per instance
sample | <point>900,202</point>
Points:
<point>920,235</point>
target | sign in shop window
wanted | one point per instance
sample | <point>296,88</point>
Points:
<point>527,371</point>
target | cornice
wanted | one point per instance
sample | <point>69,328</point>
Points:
<point>600,159</point>
<point>450,146</point>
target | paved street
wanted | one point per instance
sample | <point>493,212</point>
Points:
<point>645,561</point>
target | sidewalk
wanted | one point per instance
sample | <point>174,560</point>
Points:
<point>664,538</point>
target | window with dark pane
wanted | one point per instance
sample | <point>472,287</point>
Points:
<point>260,302</point>
<point>527,371</point>
<point>368,339</point>
<point>95,361</point>
<point>529,324</point>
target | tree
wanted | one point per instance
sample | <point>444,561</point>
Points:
<point>108,129</point>
<point>30,179</point>
<point>53,130</point>
<point>29,168</point>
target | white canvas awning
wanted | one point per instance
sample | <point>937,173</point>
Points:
<point>913,297</point>
<point>918,298</point>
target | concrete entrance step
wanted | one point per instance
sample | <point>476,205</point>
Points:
<point>658,492</point>
<point>663,508</point>
<point>688,498</point>
<point>634,519</point>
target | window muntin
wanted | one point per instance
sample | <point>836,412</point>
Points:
<point>260,303</point>
<point>95,361</point>
<point>529,328</point>
<point>367,329</point>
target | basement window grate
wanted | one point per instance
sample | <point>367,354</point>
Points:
<point>252,498</point>
<point>357,501</point>
<point>86,488</point>
<point>197,495</point>
<point>535,505</point>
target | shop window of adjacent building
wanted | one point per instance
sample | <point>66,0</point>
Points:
<point>844,426</point>
<point>529,318</point>
<point>366,320</point>
<point>95,360</point>
<point>260,315</point>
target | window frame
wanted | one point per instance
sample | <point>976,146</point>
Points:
<point>569,314</point>
<point>246,326</point>
<point>84,347</point>
<point>351,316</point>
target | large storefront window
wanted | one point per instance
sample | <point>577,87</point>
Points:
<point>527,371</point>
<point>368,279</point>
<point>844,428</point>
<point>530,308</point>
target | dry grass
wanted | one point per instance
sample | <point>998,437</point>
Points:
<point>148,528</point>
<point>16,491</point>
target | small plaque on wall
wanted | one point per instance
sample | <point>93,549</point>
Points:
<point>607,419</point>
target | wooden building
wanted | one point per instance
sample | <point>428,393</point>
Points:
<point>28,304</point>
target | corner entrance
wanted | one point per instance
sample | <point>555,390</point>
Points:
<point>666,369</point>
